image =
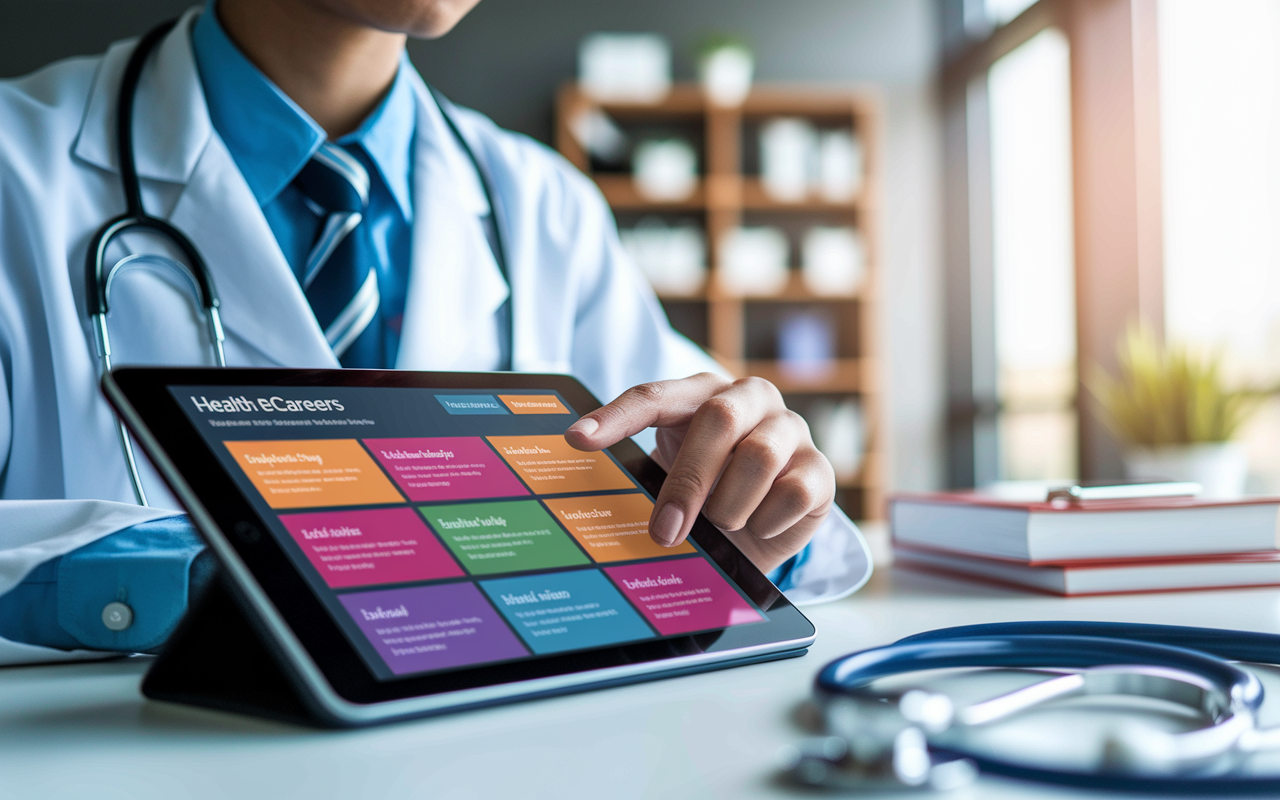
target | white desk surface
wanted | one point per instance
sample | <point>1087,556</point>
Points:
<point>85,732</point>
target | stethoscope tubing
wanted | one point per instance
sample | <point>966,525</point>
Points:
<point>1250,646</point>
<point>1070,644</point>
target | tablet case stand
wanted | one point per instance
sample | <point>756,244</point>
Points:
<point>217,659</point>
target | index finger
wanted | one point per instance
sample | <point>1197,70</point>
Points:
<point>661,403</point>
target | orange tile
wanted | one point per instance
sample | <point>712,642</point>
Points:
<point>313,473</point>
<point>533,403</point>
<point>549,465</point>
<point>612,527</point>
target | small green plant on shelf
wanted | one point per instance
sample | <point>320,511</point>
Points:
<point>726,66</point>
<point>1169,395</point>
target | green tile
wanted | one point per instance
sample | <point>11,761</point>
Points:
<point>512,536</point>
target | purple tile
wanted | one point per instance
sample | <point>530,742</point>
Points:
<point>432,627</point>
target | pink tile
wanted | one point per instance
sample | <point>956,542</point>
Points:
<point>682,595</point>
<point>446,468</point>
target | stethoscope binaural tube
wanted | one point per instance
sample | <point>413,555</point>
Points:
<point>135,218</point>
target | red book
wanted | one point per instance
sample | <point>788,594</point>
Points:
<point>1120,576</point>
<point>1044,532</point>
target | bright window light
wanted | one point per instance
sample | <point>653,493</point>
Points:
<point>1001,11</point>
<point>1034,263</point>
<point>1220,142</point>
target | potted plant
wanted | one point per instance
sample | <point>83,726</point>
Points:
<point>725,65</point>
<point>1175,415</point>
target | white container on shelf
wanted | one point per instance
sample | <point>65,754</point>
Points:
<point>753,261</point>
<point>840,165</point>
<point>665,169</point>
<point>599,135</point>
<point>726,75</point>
<point>833,260</point>
<point>673,258</point>
<point>625,67</point>
<point>838,431</point>
<point>788,158</point>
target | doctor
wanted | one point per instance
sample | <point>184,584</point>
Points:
<point>344,225</point>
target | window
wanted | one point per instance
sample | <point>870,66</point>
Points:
<point>1000,12</point>
<point>1032,256</point>
<point>1053,238</point>
<point>1220,132</point>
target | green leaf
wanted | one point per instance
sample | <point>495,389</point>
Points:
<point>1169,395</point>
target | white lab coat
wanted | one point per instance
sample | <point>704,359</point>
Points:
<point>579,305</point>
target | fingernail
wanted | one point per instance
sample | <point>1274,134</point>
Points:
<point>585,426</point>
<point>668,524</point>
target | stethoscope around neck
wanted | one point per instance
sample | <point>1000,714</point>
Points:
<point>100,278</point>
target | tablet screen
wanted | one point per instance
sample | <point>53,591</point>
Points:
<point>444,529</point>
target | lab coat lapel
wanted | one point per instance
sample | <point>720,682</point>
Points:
<point>170,122</point>
<point>266,316</point>
<point>455,285</point>
<point>263,306</point>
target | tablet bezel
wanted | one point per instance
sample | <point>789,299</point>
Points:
<point>186,461</point>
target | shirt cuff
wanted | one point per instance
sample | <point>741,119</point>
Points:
<point>150,569</point>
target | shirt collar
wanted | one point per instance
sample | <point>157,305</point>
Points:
<point>243,103</point>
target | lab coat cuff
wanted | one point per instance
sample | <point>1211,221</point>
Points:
<point>835,563</point>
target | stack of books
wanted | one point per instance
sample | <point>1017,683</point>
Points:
<point>1091,547</point>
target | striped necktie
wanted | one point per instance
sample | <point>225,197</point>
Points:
<point>340,278</point>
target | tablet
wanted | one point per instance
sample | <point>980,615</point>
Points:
<point>408,543</point>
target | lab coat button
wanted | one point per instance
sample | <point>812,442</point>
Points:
<point>117,616</point>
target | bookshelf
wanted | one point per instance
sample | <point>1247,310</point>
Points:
<point>729,193</point>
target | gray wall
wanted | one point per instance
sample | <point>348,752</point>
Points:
<point>507,58</point>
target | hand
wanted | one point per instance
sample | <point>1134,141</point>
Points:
<point>733,450</point>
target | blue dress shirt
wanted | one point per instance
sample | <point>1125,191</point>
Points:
<point>271,139</point>
<point>155,568</point>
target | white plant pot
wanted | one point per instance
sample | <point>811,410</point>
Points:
<point>726,75</point>
<point>1219,467</point>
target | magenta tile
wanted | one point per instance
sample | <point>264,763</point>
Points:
<point>361,548</point>
<point>446,468</point>
<point>682,595</point>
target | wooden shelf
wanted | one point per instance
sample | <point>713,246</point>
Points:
<point>794,292</point>
<point>764,100</point>
<point>756,198</point>
<point>718,192</point>
<point>683,99</point>
<point>723,198</point>
<point>621,193</point>
<point>844,377</point>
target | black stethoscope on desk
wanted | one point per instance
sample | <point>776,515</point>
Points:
<point>916,738</point>
<point>100,277</point>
